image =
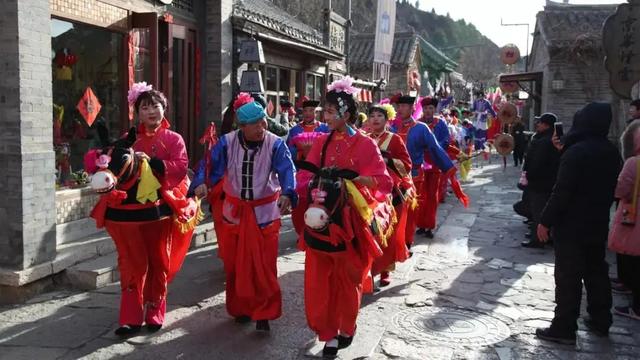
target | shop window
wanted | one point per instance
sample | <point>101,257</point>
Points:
<point>314,86</point>
<point>319,94</point>
<point>272,79</point>
<point>84,57</point>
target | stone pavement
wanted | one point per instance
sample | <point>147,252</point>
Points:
<point>470,293</point>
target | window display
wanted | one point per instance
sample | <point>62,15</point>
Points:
<point>87,94</point>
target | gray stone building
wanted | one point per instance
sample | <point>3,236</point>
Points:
<point>566,65</point>
<point>411,57</point>
<point>57,54</point>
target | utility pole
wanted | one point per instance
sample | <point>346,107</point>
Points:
<point>526,61</point>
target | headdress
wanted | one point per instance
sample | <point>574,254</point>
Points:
<point>388,110</point>
<point>136,90</point>
<point>342,93</point>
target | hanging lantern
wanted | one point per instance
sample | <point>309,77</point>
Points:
<point>509,87</point>
<point>509,54</point>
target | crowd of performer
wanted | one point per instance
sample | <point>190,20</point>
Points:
<point>360,186</point>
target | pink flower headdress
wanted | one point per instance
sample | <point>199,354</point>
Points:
<point>344,85</point>
<point>136,90</point>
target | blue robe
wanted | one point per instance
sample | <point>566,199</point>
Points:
<point>421,139</point>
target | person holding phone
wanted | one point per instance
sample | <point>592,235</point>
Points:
<point>541,165</point>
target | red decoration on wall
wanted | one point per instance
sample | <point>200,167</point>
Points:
<point>89,106</point>
<point>131,74</point>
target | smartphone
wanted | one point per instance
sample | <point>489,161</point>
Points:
<point>558,129</point>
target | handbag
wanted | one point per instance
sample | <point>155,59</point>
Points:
<point>629,210</point>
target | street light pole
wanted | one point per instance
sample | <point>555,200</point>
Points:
<point>526,61</point>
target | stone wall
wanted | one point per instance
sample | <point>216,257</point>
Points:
<point>27,193</point>
<point>218,62</point>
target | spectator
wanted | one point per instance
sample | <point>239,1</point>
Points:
<point>634,111</point>
<point>625,238</point>
<point>520,140</point>
<point>578,214</point>
<point>541,167</point>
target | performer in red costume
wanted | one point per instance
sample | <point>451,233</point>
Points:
<point>398,163</point>
<point>300,139</point>
<point>434,180</point>
<point>257,175</point>
<point>420,141</point>
<point>335,266</point>
<point>152,234</point>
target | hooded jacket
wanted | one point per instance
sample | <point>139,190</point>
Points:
<point>541,162</point>
<point>581,199</point>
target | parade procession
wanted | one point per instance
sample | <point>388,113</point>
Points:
<point>337,179</point>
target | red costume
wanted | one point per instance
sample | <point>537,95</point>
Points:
<point>334,279</point>
<point>150,251</point>
<point>399,168</point>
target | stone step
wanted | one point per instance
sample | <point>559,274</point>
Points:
<point>102,270</point>
<point>95,273</point>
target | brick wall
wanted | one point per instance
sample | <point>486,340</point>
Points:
<point>218,60</point>
<point>27,202</point>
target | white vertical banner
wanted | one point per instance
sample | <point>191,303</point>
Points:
<point>385,28</point>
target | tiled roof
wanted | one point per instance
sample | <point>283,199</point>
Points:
<point>560,25</point>
<point>403,53</point>
<point>269,15</point>
<point>405,47</point>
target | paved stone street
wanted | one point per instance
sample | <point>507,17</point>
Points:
<point>471,293</point>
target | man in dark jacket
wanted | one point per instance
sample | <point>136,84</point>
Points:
<point>578,214</point>
<point>541,166</point>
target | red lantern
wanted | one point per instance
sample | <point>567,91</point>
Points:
<point>509,54</point>
<point>509,87</point>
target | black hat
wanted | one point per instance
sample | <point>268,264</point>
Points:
<point>284,103</point>
<point>310,103</point>
<point>547,118</point>
<point>406,99</point>
<point>428,100</point>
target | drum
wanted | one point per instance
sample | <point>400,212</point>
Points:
<point>504,144</point>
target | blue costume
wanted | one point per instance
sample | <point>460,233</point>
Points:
<point>419,139</point>
<point>481,107</point>
<point>440,131</point>
<point>281,164</point>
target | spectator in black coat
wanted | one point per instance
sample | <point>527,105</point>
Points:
<point>578,214</point>
<point>520,142</point>
<point>541,167</point>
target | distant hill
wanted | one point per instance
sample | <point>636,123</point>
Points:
<point>477,56</point>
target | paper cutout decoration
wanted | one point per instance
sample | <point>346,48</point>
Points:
<point>89,106</point>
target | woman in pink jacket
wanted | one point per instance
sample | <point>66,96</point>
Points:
<point>625,238</point>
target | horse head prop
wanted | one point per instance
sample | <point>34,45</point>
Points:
<point>327,194</point>
<point>117,165</point>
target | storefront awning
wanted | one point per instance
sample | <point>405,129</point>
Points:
<point>524,76</point>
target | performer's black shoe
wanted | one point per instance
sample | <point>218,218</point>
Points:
<point>154,327</point>
<point>385,279</point>
<point>532,244</point>
<point>550,334</point>
<point>526,221</point>
<point>263,325</point>
<point>420,231</point>
<point>329,352</point>
<point>595,328</point>
<point>243,319</point>
<point>527,235</point>
<point>344,341</point>
<point>428,234</point>
<point>128,330</point>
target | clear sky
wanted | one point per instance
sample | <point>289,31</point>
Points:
<point>486,16</point>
